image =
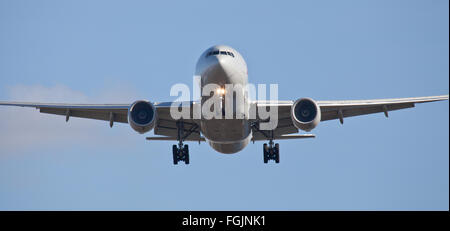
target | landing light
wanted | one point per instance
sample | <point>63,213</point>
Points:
<point>220,91</point>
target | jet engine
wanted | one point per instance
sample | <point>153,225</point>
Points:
<point>305,114</point>
<point>142,116</point>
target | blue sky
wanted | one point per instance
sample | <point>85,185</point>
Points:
<point>120,51</point>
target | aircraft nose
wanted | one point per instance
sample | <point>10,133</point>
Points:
<point>219,70</point>
<point>220,64</point>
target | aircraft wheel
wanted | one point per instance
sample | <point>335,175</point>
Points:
<point>175,154</point>
<point>265,154</point>
<point>186,154</point>
<point>277,153</point>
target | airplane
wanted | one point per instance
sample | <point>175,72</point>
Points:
<point>221,65</point>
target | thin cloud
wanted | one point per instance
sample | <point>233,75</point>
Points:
<point>23,129</point>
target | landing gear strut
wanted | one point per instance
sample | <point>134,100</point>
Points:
<point>180,152</point>
<point>271,152</point>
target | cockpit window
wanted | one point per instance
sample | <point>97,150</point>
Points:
<point>220,52</point>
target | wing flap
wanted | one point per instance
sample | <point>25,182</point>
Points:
<point>167,126</point>
<point>119,116</point>
<point>347,111</point>
<point>285,137</point>
<point>171,138</point>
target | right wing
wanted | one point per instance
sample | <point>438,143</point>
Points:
<point>165,125</point>
<point>107,112</point>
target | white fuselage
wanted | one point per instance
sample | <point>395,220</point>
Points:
<point>223,65</point>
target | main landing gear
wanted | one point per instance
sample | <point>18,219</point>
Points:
<point>271,152</point>
<point>180,152</point>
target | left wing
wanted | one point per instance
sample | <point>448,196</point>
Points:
<point>340,109</point>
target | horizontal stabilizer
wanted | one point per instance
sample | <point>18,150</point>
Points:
<point>171,138</point>
<point>285,137</point>
<point>291,137</point>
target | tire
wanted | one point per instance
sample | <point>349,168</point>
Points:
<point>265,154</point>
<point>277,153</point>
<point>175,154</point>
<point>186,154</point>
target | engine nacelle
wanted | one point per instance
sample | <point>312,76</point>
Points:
<point>142,116</point>
<point>305,114</point>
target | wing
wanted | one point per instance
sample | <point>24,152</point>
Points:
<point>285,125</point>
<point>165,125</point>
<point>340,109</point>
<point>107,112</point>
